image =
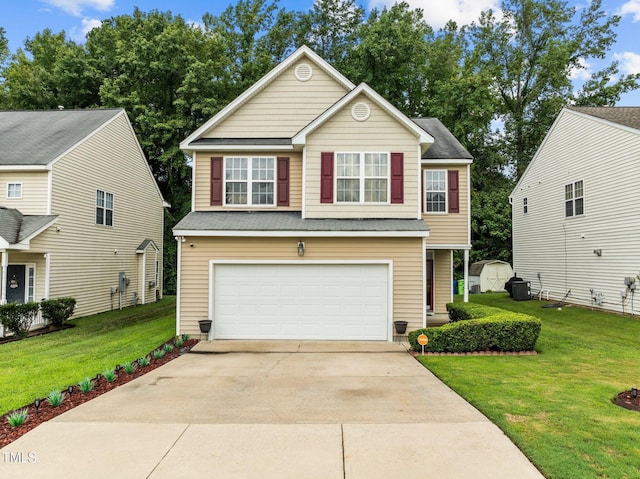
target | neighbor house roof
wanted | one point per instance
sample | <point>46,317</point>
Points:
<point>16,227</point>
<point>623,115</point>
<point>36,138</point>
<point>446,146</point>
<point>219,223</point>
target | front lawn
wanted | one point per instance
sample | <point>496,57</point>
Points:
<point>33,367</point>
<point>556,406</point>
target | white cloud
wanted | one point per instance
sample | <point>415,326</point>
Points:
<point>75,7</point>
<point>582,73</point>
<point>89,24</point>
<point>632,7</point>
<point>629,62</point>
<point>438,13</point>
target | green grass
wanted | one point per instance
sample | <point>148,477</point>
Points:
<point>556,406</point>
<point>34,366</point>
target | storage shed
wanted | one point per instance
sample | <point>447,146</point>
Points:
<point>489,275</point>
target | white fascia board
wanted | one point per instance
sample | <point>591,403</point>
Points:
<point>461,161</point>
<point>301,137</point>
<point>263,82</point>
<point>4,244</point>
<point>25,167</point>
<point>306,234</point>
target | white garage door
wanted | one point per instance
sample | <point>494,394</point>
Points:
<point>300,301</point>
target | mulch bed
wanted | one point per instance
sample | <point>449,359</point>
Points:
<point>626,400</point>
<point>46,412</point>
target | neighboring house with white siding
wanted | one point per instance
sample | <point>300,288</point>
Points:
<point>319,211</point>
<point>575,219</point>
<point>80,212</point>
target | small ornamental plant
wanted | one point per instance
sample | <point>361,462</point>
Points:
<point>179,342</point>
<point>159,353</point>
<point>17,418</point>
<point>55,398</point>
<point>168,348</point>
<point>109,375</point>
<point>185,337</point>
<point>86,385</point>
<point>143,361</point>
<point>128,367</point>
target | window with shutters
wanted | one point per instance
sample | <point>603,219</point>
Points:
<point>249,181</point>
<point>435,191</point>
<point>104,208</point>
<point>362,177</point>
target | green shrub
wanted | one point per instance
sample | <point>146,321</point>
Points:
<point>56,398</point>
<point>143,361</point>
<point>464,311</point>
<point>17,418</point>
<point>18,317</point>
<point>179,342</point>
<point>85,385</point>
<point>168,348</point>
<point>159,353</point>
<point>57,311</point>
<point>504,331</point>
<point>128,367</point>
<point>109,375</point>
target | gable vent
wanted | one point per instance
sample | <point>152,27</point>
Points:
<point>360,111</point>
<point>304,72</point>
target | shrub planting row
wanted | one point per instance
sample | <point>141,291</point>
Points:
<point>499,331</point>
<point>18,317</point>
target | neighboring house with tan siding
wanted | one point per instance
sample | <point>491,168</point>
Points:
<point>319,212</point>
<point>79,209</point>
<point>575,219</point>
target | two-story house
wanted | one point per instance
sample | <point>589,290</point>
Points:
<point>319,211</point>
<point>575,224</point>
<point>80,212</point>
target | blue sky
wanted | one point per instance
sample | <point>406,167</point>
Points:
<point>22,19</point>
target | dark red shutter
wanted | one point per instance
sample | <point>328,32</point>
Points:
<point>397,178</point>
<point>216,180</point>
<point>326,177</point>
<point>283,181</point>
<point>454,191</point>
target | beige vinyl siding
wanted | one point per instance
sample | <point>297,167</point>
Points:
<point>283,107</point>
<point>406,254</point>
<point>561,249</point>
<point>85,258</point>
<point>202,184</point>
<point>35,191</point>
<point>443,278</point>
<point>380,133</point>
<point>450,228</point>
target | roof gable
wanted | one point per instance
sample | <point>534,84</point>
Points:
<point>38,138</point>
<point>302,52</point>
<point>445,145</point>
<point>622,115</point>
<point>17,228</point>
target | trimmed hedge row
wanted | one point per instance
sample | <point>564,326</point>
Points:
<point>18,317</point>
<point>464,311</point>
<point>503,331</point>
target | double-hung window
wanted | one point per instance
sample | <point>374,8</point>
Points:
<point>104,208</point>
<point>14,190</point>
<point>249,181</point>
<point>574,199</point>
<point>435,190</point>
<point>362,177</point>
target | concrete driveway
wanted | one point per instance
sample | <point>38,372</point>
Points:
<point>284,410</point>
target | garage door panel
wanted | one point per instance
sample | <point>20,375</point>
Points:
<point>300,301</point>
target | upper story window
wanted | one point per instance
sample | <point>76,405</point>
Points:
<point>249,181</point>
<point>104,208</point>
<point>574,199</point>
<point>14,190</point>
<point>435,191</point>
<point>525,205</point>
<point>362,177</point>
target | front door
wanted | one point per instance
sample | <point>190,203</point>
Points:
<point>16,284</point>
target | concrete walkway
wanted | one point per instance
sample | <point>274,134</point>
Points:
<point>237,409</point>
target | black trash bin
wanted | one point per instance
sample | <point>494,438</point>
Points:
<point>521,290</point>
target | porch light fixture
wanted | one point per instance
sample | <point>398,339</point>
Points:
<point>300,248</point>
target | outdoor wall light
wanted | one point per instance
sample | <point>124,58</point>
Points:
<point>597,252</point>
<point>300,248</point>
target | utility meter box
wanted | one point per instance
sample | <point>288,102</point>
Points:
<point>124,281</point>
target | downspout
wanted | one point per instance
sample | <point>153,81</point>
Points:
<point>466,276</point>
<point>424,282</point>
<point>178,294</point>
<point>47,271</point>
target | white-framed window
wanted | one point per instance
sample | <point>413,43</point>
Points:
<point>574,199</point>
<point>14,191</point>
<point>362,177</point>
<point>104,208</point>
<point>31,282</point>
<point>525,205</point>
<point>435,191</point>
<point>249,181</point>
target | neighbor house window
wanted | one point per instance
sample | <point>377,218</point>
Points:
<point>249,181</point>
<point>362,177</point>
<point>435,189</point>
<point>104,208</point>
<point>574,199</point>
<point>14,190</point>
<point>525,205</point>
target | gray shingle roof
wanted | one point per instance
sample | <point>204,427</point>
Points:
<point>623,115</point>
<point>446,146</point>
<point>39,137</point>
<point>289,221</point>
<point>16,227</point>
